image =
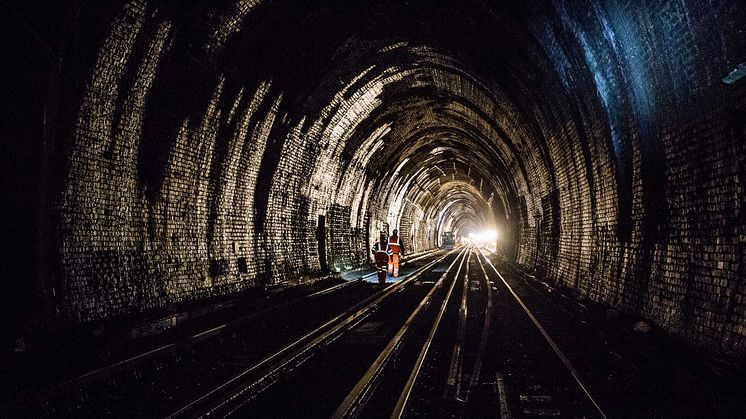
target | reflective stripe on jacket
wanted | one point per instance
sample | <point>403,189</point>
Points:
<point>377,248</point>
<point>379,254</point>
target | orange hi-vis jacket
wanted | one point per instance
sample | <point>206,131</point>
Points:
<point>394,246</point>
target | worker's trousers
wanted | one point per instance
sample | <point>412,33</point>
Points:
<point>381,274</point>
<point>394,264</point>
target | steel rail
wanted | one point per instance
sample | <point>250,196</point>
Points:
<point>269,367</point>
<point>406,392</point>
<point>503,397</point>
<point>575,374</point>
<point>453,381</point>
<point>476,371</point>
<point>356,399</point>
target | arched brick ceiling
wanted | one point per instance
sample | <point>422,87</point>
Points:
<point>423,105</point>
<point>196,137</point>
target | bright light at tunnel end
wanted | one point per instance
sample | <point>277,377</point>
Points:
<point>485,238</point>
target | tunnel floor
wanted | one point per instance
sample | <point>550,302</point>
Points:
<point>460,334</point>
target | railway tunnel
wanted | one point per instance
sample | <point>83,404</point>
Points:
<point>164,160</point>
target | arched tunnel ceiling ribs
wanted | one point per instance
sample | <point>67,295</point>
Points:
<point>415,125</point>
<point>240,143</point>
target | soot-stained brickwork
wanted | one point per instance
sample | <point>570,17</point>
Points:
<point>203,151</point>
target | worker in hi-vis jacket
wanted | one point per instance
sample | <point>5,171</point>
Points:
<point>394,250</point>
<point>381,257</point>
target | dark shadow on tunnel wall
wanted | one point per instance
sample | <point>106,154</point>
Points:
<point>29,82</point>
<point>321,236</point>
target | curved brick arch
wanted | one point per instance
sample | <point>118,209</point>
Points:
<point>196,149</point>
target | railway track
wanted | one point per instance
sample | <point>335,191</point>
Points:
<point>469,347</point>
<point>451,339</point>
<point>357,399</point>
<point>446,378</point>
<point>493,358</point>
<point>333,354</point>
<point>152,382</point>
<point>533,377</point>
<point>351,371</point>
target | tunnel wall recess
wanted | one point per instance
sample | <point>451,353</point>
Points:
<point>205,151</point>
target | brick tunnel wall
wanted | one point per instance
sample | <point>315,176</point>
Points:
<point>657,229</point>
<point>165,201</point>
<point>208,224</point>
<point>175,177</point>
